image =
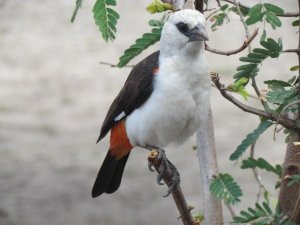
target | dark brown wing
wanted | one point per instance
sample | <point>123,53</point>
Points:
<point>136,90</point>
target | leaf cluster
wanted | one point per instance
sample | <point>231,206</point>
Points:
<point>250,139</point>
<point>281,94</point>
<point>222,15</point>
<point>262,164</point>
<point>106,18</point>
<point>239,87</point>
<point>158,6</point>
<point>142,43</point>
<point>224,187</point>
<point>267,12</point>
<point>261,214</point>
<point>271,48</point>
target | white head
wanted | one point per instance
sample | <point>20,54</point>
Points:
<point>184,32</point>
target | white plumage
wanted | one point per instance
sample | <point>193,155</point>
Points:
<point>179,102</point>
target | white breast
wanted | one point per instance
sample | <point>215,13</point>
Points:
<point>177,106</point>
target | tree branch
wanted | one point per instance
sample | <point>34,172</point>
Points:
<point>177,194</point>
<point>286,14</point>
<point>296,50</point>
<point>234,51</point>
<point>286,122</point>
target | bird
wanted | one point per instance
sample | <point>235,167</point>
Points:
<point>164,100</point>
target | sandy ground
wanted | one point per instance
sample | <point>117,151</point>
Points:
<point>54,95</point>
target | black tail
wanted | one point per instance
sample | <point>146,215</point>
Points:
<point>110,175</point>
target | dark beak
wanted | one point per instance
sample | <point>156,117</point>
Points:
<point>198,33</point>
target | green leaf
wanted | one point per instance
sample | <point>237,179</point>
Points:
<point>273,8</point>
<point>254,18</point>
<point>244,93</point>
<point>141,44</point>
<point>262,164</point>
<point>224,187</point>
<point>243,73</point>
<point>218,21</point>
<point>239,87</point>
<point>77,6</point>
<point>294,68</point>
<point>279,97</point>
<point>156,23</point>
<point>244,11</point>
<point>271,45</point>
<point>251,60</point>
<point>260,215</point>
<point>106,18</point>
<point>250,139</point>
<point>273,19</point>
<point>249,67</point>
<point>296,23</point>
<point>256,9</point>
<point>261,51</point>
<point>277,83</point>
<point>224,7</point>
<point>257,56</point>
<point>158,6</point>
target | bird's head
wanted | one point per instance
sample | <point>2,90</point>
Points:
<point>184,30</point>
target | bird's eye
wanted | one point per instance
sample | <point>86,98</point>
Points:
<point>182,27</point>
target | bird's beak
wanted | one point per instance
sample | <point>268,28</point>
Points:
<point>198,33</point>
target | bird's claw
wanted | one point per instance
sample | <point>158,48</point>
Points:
<point>164,166</point>
<point>175,178</point>
<point>150,167</point>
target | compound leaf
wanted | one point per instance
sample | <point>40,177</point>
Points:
<point>224,187</point>
<point>106,18</point>
<point>263,126</point>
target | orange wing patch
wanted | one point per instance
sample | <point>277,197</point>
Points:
<point>119,142</point>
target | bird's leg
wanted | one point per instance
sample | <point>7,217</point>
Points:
<point>166,170</point>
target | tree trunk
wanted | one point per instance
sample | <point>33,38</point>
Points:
<point>289,197</point>
<point>208,167</point>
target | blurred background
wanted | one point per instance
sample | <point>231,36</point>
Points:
<point>54,95</point>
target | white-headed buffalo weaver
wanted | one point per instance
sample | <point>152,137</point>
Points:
<point>164,99</point>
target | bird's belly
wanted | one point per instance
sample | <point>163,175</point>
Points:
<point>162,120</point>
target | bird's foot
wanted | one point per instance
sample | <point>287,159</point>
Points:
<point>166,170</point>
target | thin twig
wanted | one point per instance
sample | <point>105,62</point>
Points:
<point>234,51</point>
<point>114,65</point>
<point>284,121</point>
<point>183,208</point>
<point>230,209</point>
<point>286,14</point>
<point>243,22</point>
<point>296,50</point>
<point>256,175</point>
